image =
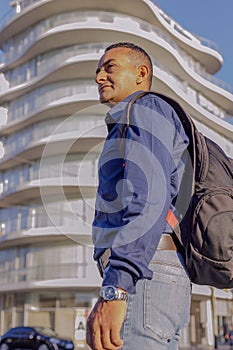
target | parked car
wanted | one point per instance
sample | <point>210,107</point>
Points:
<point>34,338</point>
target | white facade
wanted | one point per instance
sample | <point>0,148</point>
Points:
<point>51,131</point>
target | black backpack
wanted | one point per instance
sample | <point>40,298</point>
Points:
<point>205,230</point>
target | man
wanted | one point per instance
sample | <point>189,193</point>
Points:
<point>145,296</point>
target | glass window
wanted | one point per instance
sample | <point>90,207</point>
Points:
<point>20,299</point>
<point>47,300</point>
<point>24,218</point>
<point>77,299</point>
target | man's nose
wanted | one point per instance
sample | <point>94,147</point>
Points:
<point>100,76</point>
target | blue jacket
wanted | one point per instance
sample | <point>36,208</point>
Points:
<point>140,171</point>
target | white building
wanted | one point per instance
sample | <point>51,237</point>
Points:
<point>51,131</point>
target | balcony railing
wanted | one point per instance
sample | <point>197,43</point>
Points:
<point>26,3</point>
<point>202,101</point>
<point>76,214</point>
<point>24,139</point>
<point>16,47</point>
<point>44,272</point>
<point>176,26</point>
<point>15,179</point>
<point>37,100</point>
<point>44,64</point>
<point>22,43</point>
<point>31,104</point>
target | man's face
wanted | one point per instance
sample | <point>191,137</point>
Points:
<point>116,76</point>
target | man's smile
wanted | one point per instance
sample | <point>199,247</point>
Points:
<point>103,87</point>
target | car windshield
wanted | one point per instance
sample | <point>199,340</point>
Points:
<point>46,331</point>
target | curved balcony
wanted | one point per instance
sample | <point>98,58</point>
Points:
<point>73,134</point>
<point>24,107</point>
<point>48,272</point>
<point>21,107</point>
<point>87,277</point>
<point>33,106</point>
<point>43,65</point>
<point>49,30</point>
<point>58,99</point>
<point>61,179</point>
<point>146,10</point>
<point>183,65</point>
<point>67,218</point>
<point>53,63</point>
<point>47,94</point>
<point>197,106</point>
<point>51,189</point>
<point>192,44</point>
<point>190,95</point>
<point>56,126</point>
<point>67,107</point>
<point>49,265</point>
<point>52,167</point>
<point>79,68</point>
<point>76,230</point>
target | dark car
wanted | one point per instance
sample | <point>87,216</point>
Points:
<point>34,338</point>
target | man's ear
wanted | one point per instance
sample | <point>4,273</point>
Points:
<point>143,73</point>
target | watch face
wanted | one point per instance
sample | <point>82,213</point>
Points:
<point>109,293</point>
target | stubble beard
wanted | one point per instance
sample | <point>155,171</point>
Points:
<point>107,99</point>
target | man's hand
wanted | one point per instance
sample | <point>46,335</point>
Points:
<point>104,324</point>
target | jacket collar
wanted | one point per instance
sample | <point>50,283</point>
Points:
<point>113,116</point>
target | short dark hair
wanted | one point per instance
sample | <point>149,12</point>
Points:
<point>141,54</point>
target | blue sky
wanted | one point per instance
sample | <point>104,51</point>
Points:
<point>212,19</point>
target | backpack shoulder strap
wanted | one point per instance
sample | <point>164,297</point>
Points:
<point>185,119</point>
<point>190,130</point>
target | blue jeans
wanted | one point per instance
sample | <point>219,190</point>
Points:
<point>161,306</point>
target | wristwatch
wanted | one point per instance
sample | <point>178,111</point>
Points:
<point>109,293</point>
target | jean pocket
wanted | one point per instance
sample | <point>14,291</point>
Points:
<point>166,304</point>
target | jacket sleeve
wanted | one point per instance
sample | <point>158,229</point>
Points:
<point>145,192</point>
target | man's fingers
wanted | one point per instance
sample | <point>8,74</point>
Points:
<point>115,337</point>
<point>106,339</point>
<point>96,340</point>
<point>89,334</point>
<point>104,324</point>
<point>93,337</point>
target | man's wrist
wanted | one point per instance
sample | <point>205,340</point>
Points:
<point>110,292</point>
